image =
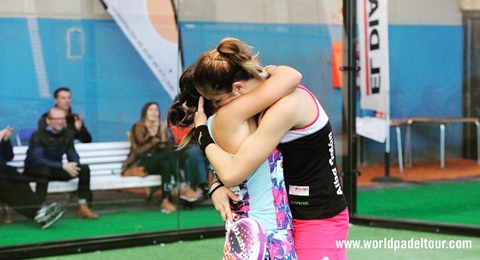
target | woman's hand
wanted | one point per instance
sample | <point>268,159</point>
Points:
<point>200,116</point>
<point>269,69</point>
<point>221,200</point>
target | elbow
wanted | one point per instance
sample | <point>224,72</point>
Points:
<point>298,77</point>
<point>230,181</point>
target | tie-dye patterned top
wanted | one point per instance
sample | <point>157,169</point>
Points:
<point>263,195</point>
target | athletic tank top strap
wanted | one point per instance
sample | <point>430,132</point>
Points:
<point>318,123</point>
<point>318,109</point>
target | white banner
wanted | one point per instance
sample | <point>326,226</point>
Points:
<point>372,127</point>
<point>374,81</point>
<point>151,27</point>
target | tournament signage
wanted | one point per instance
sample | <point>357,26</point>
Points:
<point>151,28</point>
<point>374,75</point>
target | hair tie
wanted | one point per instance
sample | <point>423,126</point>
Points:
<point>210,193</point>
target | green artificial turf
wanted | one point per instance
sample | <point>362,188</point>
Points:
<point>125,222</point>
<point>441,202</point>
<point>212,248</point>
<point>457,202</point>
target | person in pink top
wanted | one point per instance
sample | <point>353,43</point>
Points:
<point>299,127</point>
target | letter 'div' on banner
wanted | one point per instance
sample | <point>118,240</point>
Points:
<point>374,72</point>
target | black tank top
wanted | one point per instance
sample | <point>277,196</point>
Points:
<point>311,176</point>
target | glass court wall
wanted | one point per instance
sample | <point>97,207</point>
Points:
<point>49,43</point>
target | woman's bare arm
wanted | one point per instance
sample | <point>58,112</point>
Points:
<point>256,148</point>
<point>283,81</point>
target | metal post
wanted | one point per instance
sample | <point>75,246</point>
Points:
<point>478,142</point>
<point>387,145</point>
<point>442,146</point>
<point>350,162</point>
<point>399,149</point>
<point>408,145</point>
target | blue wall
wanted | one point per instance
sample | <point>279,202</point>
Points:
<point>426,65</point>
<point>305,47</point>
<point>111,82</point>
<point>425,72</point>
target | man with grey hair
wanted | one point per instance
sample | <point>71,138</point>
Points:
<point>44,160</point>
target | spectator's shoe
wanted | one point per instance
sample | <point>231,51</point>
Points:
<point>48,215</point>
<point>167,207</point>
<point>188,194</point>
<point>84,212</point>
<point>41,215</point>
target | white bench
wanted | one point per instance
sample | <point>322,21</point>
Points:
<point>105,161</point>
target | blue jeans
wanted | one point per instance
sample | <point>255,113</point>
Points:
<point>195,164</point>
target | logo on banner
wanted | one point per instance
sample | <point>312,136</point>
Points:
<point>374,78</point>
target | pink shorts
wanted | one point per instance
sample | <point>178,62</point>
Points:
<point>316,238</point>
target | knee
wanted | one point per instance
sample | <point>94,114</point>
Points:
<point>84,170</point>
<point>39,172</point>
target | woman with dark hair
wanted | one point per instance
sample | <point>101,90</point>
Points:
<point>151,149</point>
<point>182,111</point>
<point>262,200</point>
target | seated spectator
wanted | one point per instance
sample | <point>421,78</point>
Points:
<point>15,189</point>
<point>151,149</point>
<point>191,159</point>
<point>44,160</point>
<point>63,99</point>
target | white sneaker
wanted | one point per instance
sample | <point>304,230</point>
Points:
<point>48,215</point>
<point>54,217</point>
<point>42,212</point>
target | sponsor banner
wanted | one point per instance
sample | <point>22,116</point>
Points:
<point>374,75</point>
<point>151,28</point>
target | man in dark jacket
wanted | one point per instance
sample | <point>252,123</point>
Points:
<point>15,189</point>
<point>44,160</point>
<point>63,99</point>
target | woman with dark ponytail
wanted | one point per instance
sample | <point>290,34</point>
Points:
<point>261,211</point>
<point>180,121</point>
